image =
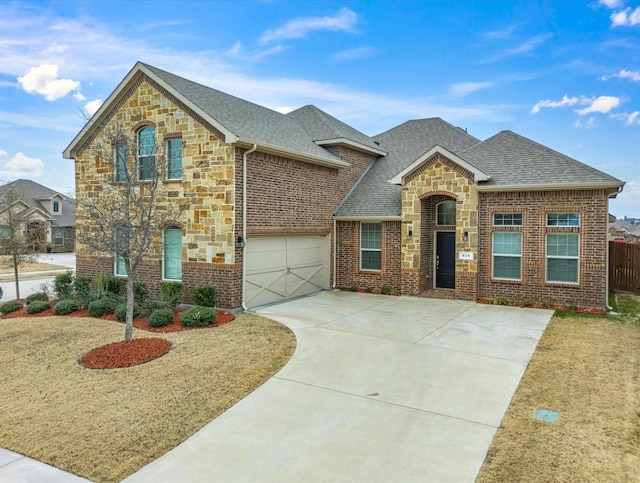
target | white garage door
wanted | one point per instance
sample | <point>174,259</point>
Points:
<point>283,267</point>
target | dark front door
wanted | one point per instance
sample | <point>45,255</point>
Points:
<point>446,259</point>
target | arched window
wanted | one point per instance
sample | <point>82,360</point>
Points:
<point>146,153</point>
<point>446,213</point>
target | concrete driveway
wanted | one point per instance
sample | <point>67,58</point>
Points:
<point>380,388</point>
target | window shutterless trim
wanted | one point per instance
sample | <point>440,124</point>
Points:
<point>561,257</point>
<point>505,255</point>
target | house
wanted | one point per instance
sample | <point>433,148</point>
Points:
<point>624,231</point>
<point>48,217</point>
<point>281,206</point>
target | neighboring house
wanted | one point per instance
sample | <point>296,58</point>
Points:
<point>624,231</point>
<point>285,205</point>
<point>49,217</point>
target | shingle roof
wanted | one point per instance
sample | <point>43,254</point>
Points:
<point>374,195</point>
<point>37,196</point>
<point>245,119</point>
<point>513,160</point>
<point>322,126</point>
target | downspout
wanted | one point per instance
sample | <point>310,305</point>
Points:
<point>335,253</point>
<point>244,220</point>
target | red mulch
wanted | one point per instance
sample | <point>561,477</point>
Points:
<point>125,354</point>
<point>132,353</point>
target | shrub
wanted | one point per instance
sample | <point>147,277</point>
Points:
<point>386,289</point>
<point>160,317</point>
<point>140,292</point>
<point>37,306</point>
<point>82,287</point>
<point>103,305</point>
<point>171,292</point>
<point>121,311</point>
<point>11,306</point>
<point>205,296</point>
<point>198,316</point>
<point>39,296</point>
<point>64,307</point>
<point>151,305</point>
<point>63,285</point>
<point>112,284</point>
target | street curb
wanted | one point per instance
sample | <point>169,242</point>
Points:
<point>8,277</point>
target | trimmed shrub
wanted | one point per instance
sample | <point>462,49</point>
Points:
<point>11,306</point>
<point>65,307</point>
<point>101,306</point>
<point>205,296</point>
<point>160,318</point>
<point>63,285</point>
<point>171,292</point>
<point>82,287</point>
<point>112,284</point>
<point>121,311</point>
<point>198,316</point>
<point>37,306</point>
<point>40,296</point>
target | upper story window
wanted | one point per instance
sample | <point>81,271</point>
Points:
<point>174,158</point>
<point>146,153</point>
<point>446,213</point>
<point>56,207</point>
<point>121,162</point>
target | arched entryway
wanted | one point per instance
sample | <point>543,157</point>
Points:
<point>438,247</point>
<point>36,235</point>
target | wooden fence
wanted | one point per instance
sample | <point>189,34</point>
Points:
<point>624,267</point>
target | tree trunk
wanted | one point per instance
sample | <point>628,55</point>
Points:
<point>128,331</point>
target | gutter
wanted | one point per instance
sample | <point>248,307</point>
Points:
<point>244,221</point>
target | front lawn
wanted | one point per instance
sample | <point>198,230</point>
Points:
<point>106,424</point>
<point>586,368</point>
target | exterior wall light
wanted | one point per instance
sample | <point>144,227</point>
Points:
<point>240,241</point>
<point>465,236</point>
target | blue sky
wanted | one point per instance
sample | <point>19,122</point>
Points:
<point>565,74</point>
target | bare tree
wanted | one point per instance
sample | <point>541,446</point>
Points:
<point>14,240</point>
<point>128,211</point>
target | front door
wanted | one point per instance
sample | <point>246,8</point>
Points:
<point>445,259</point>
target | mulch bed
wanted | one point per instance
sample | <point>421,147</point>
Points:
<point>127,353</point>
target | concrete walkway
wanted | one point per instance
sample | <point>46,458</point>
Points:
<point>380,388</point>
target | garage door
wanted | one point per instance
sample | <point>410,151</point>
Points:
<point>284,267</point>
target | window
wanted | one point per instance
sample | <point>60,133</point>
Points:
<point>563,219</point>
<point>371,246</point>
<point>121,247</point>
<point>58,236</point>
<point>56,206</point>
<point>174,158</point>
<point>446,213</point>
<point>173,254</point>
<point>5,235</point>
<point>562,257</point>
<point>507,255</point>
<point>121,163</point>
<point>146,153</point>
<point>507,219</point>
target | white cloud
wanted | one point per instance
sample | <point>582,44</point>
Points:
<point>93,106</point>
<point>352,54</point>
<point>44,80</point>
<point>626,17</point>
<point>300,27</point>
<point>527,46</point>
<point>462,89</point>
<point>629,119</point>
<point>20,166</point>
<point>565,101</point>
<point>602,104</point>
<point>625,74</point>
<point>590,123</point>
<point>610,3</point>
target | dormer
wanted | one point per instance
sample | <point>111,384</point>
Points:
<point>56,205</point>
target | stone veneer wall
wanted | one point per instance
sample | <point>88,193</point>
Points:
<point>593,208</point>
<point>206,188</point>
<point>439,176</point>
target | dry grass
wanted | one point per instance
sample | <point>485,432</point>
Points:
<point>6,266</point>
<point>587,369</point>
<point>106,424</point>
